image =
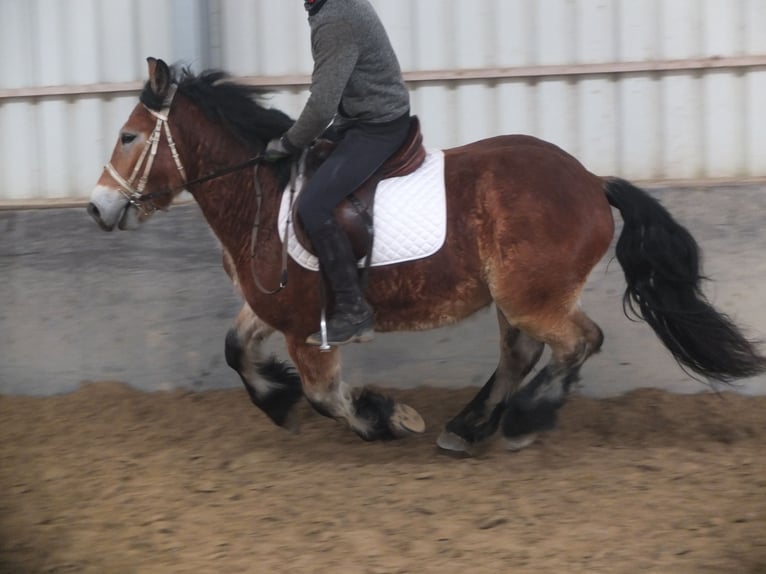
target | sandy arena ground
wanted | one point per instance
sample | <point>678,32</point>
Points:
<point>112,480</point>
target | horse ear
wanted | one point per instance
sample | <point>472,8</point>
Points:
<point>159,76</point>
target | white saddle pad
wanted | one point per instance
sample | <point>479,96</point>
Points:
<point>410,217</point>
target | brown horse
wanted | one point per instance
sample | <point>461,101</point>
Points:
<point>526,223</point>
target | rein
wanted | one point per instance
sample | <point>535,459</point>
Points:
<point>253,161</point>
<point>133,188</point>
<point>257,225</point>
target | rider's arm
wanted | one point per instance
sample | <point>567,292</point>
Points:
<point>335,55</point>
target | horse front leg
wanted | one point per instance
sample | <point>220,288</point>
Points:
<point>272,387</point>
<point>371,415</point>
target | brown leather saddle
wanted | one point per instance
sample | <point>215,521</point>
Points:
<point>355,212</point>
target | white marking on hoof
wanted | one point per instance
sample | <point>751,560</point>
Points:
<point>452,442</point>
<point>518,443</point>
<point>406,420</point>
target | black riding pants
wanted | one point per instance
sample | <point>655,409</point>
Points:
<point>361,151</point>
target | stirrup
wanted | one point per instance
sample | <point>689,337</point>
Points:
<point>328,336</point>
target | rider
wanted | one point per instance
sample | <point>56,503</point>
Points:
<point>356,86</point>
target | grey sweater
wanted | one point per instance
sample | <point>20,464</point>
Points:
<point>356,75</point>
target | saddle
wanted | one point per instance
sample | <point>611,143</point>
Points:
<point>355,212</point>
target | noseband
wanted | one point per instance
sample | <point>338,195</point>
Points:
<point>134,192</point>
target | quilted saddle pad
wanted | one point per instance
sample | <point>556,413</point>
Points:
<point>409,217</point>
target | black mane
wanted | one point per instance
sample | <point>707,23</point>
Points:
<point>236,106</point>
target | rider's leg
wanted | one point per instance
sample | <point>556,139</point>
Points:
<point>352,318</point>
<point>359,154</point>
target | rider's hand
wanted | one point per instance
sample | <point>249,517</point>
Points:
<point>279,148</point>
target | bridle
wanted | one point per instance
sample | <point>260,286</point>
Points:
<point>133,187</point>
<point>144,202</point>
<point>134,192</point>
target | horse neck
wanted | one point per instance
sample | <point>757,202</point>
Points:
<point>228,203</point>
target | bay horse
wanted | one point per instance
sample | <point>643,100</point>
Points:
<point>526,223</point>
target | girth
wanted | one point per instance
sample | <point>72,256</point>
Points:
<point>355,212</point>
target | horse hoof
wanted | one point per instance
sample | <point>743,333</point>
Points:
<point>292,423</point>
<point>520,442</point>
<point>405,421</point>
<point>452,442</point>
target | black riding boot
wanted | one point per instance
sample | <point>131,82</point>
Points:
<point>352,319</point>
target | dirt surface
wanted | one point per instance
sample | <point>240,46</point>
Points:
<point>112,480</point>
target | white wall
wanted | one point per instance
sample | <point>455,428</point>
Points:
<point>694,122</point>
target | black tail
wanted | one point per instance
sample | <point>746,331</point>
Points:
<point>661,262</point>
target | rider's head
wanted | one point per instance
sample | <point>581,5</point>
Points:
<point>313,5</point>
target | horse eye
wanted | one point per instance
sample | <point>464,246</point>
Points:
<point>126,138</point>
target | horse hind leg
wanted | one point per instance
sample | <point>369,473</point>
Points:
<point>481,417</point>
<point>272,387</point>
<point>534,408</point>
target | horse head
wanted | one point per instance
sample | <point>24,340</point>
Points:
<point>144,172</point>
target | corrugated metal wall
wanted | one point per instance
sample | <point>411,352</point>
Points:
<point>647,89</point>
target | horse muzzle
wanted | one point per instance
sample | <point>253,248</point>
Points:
<point>95,213</point>
<point>110,210</point>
